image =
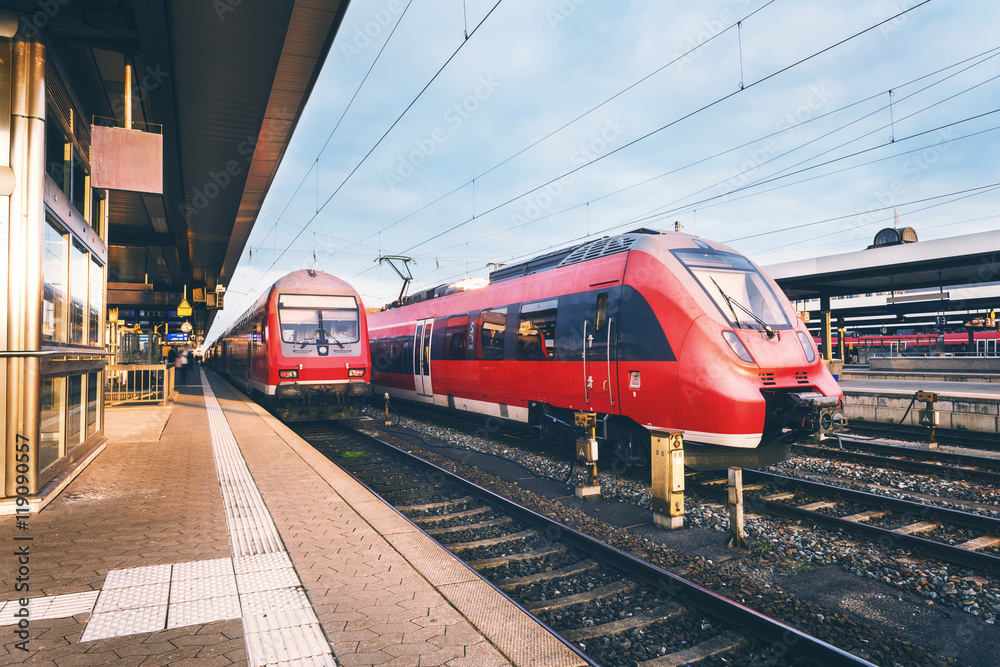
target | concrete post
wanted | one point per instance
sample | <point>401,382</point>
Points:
<point>739,537</point>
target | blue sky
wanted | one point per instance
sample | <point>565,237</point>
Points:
<point>562,120</point>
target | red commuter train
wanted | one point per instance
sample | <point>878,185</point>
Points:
<point>301,350</point>
<point>650,330</point>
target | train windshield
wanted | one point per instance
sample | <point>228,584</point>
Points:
<point>737,288</point>
<point>309,319</point>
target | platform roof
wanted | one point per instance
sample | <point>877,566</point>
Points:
<point>225,82</point>
<point>965,260</point>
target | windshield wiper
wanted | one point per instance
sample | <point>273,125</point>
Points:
<point>320,330</point>
<point>733,302</point>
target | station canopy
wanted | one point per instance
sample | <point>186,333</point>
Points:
<point>963,270</point>
<point>225,83</point>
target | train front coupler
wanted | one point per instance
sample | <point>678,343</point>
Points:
<point>820,415</point>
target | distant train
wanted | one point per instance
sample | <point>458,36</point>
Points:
<point>649,330</point>
<point>984,343</point>
<point>301,350</point>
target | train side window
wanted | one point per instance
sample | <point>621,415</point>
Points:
<point>454,337</point>
<point>536,330</point>
<point>601,314</point>
<point>492,325</point>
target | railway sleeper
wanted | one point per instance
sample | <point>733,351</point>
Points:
<point>438,518</point>
<point>510,583</point>
<point>818,505</point>
<point>727,642</point>
<point>486,563</point>
<point>865,516</point>
<point>493,541</point>
<point>984,542</point>
<point>405,486</point>
<point>610,590</point>
<point>464,500</point>
<point>474,526</point>
<point>919,527</point>
<point>663,613</point>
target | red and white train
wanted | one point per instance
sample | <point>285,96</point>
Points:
<point>301,350</point>
<point>650,330</point>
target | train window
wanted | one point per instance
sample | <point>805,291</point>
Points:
<point>601,313</point>
<point>536,330</point>
<point>315,319</point>
<point>492,325</point>
<point>406,355</point>
<point>739,291</point>
<point>454,337</point>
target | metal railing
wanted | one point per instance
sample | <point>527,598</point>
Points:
<point>138,384</point>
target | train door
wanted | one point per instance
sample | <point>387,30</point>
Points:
<point>600,365</point>
<point>422,357</point>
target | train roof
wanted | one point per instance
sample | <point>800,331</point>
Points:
<point>309,280</point>
<point>581,252</point>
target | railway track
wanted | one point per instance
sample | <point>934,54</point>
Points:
<point>964,539</point>
<point>963,467</point>
<point>612,608</point>
<point>949,437</point>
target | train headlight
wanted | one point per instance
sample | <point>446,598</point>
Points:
<point>289,374</point>
<point>737,345</point>
<point>356,373</point>
<point>807,347</point>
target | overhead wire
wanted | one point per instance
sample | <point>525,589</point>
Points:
<point>664,127</point>
<point>567,124</point>
<point>994,51</point>
<point>379,141</point>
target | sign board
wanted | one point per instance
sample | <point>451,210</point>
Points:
<point>184,310</point>
<point>126,159</point>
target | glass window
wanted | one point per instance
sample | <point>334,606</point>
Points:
<point>96,302</point>
<point>81,187</point>
<point>55,273</point>
<point>58,155</point>
<point>305,318</point>
<point>93,395</point>
<point>78,288</point>
<point>536,330</point>
<point>492,324</point>
<point>736,287</point>
<point>454,337</point>
<point>53,421</point>
<point>76,413</point>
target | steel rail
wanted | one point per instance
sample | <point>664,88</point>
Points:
<point>767,629</point>
<point>923,467</point>
<point>883,536</point>
<point>944,436</point>
<point>926,454</point>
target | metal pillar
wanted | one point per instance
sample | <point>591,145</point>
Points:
<point>586,451</point>
<point>827,337</point>
<point>668,479</point>
<point>25,89</point>
<point>929,416</point>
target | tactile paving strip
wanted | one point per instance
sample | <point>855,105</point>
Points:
<point>125,622</point>
<point>261,561</point>
<point>202,569</point>
<point>50,606</point>
<point>202,589</point>
<point>196,612</point>
<point>137,576</point>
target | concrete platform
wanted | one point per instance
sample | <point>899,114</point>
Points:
<point>229,540</point>
<point>972,406</point>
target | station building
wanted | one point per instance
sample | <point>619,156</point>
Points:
<point>137,143</point>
